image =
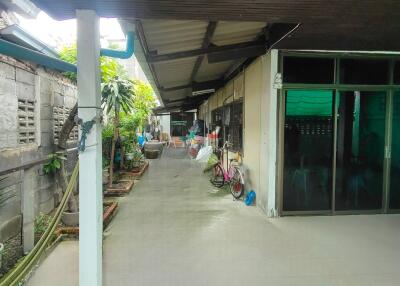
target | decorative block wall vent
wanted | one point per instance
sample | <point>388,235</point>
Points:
<point>26,121</point>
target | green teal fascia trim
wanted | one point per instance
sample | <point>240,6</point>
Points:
<point>341,54</point>
<point>19,36</point>
<point>22,53</point>
<point>344,87</point>
<point>129,51</point>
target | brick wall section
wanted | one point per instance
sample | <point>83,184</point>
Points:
<point>47,89</point>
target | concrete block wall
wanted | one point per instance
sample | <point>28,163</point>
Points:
<point>47,89</point>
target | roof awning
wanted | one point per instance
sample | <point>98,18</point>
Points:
<point>189,60</point>
<point>335,24</point>
<point>188,49</point>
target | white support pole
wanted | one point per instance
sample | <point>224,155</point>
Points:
<point>90,173</point>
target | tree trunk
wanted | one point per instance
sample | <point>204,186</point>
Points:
<point>114,140</point>
<point>68,125</point>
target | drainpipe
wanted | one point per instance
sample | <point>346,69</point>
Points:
<point>130,49</point>
<point>22,53</point>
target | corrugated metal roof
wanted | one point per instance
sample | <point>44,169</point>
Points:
<point>167,36</point>
<point>236,32</point>
<point>171,36</point>
<point>141,57</point>
<point>350,25</point>
<point>174,95</point>
<point>174,73</point>
<point>212,71</point>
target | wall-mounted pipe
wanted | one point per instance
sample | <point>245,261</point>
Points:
<point>129,51</point>
<point>22,53</point>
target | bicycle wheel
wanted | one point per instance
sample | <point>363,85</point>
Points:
<point>217,176</point>
<point>236,184</point>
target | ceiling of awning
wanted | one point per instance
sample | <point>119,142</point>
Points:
<point>186,46</point>
<point>178,78</point>
<point>333,24</point>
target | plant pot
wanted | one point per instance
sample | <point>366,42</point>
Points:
<point>151,154</point>
<point>1,253</point>
<point>70,219</point>
<point>137,165</point>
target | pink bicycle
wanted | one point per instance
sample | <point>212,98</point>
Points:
<point>232,175</point>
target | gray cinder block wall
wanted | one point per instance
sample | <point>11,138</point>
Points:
<point>33,104</point>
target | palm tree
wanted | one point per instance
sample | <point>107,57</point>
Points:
<point>116,95</point>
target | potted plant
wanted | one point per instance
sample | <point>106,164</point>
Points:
<point>117,94</point>
<point>129,148</point>
<point>135,161</point>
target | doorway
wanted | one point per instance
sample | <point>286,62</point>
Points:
<point>360,150</point>
<point>394,150</point>
<point>308,150</point>
<point>334,151</point>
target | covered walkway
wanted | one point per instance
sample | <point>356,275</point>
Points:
<point>174,230</point>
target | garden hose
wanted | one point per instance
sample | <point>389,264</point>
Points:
<point>16,276</point>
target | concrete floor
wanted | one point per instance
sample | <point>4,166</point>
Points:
<point>173,229</point>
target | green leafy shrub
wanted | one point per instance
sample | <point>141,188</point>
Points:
<point>54,164</point>
<point>107,131</point>
<point>107,136</point>
<point>42,221</point>
<point>134,159</point>
<point>110,68</point>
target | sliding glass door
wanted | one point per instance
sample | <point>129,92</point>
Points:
<point>360,150</point>
<point>394,198</point>
<point>337,165</point>
<point>307,183</point>
<point>339,133</point>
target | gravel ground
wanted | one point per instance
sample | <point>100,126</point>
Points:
<point>12,252</point>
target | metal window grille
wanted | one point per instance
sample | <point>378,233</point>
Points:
<point>230,117</point>
<point>235,126</point>
<point>310,126</point>
<point>26,121</point>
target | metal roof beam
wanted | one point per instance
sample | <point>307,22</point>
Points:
<point>204,51</point>
<point>145,47</point>
<point>190,99</point>
<point>273,35</point>
<point>206,42</point>
<point>195,86</point>
<point>237,54</point>
<point>278,31</point>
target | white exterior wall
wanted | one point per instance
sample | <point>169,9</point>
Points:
<point>259,127</point>
<point>165,122</point>
<point>260,135</point>
<point>251,139</point>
